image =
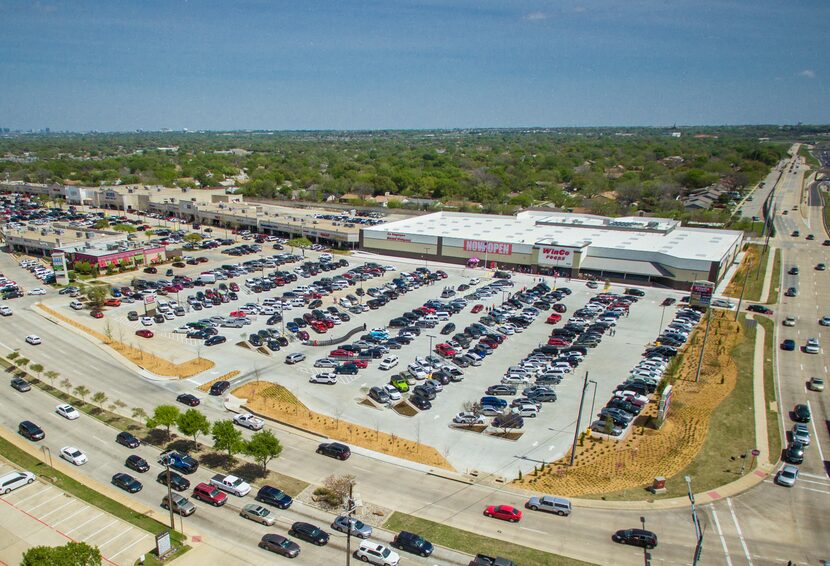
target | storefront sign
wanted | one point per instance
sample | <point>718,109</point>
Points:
<point>484,247</point>
<point>557,256</point>
<point>701,294</point>
<point>398,237</point>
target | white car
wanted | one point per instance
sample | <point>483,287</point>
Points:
<point>324,377</point>
<point>392,391</point>
<point>417,372</point>
<point>326,363</point>
<point>74,455</point>
<point>376,553</point>
<point>33,339</point>
<point>36,291</point>
<point>526,410</point>
<point>13,480</point>
<point>184,330</point>
<point>515,379</point>
<point>633,394</point>
<point>389,362</point>
<point>67,412</point>
<point>723,304</point>
<point>474,281</point>
<point>169,315</point>
<point>812,346</point>
<point>507,330</point>
<point>5,311</point>
<point>824,321</point>
<point>147,321</point>
<point>468,418</point>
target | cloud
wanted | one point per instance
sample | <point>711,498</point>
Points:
<point>807,74</point>
<point>536,16</point>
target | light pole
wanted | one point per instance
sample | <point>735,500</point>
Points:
<point>166,463</point>
<point>696,523</point>
<point>594,399</point>
<point>703,346</point>
<point>349,512</point>
<point>578,419</point>
<point>47,452</point>
<point>430,336</point>
<point>662,314</point>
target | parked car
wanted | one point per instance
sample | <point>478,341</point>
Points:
<point>126,482</point>
<point>137,463</point>
<point>557,505</point>
<point>334,450</point>
<point>280,545</point>
<point>258,514</point>
<point>358,528</point>
<point>13,480</point>
<point>504,513</point>
<point>636,537</point>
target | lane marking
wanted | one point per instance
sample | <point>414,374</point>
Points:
<point>815,433</point>
<point>101,529</point>
<point>533,530</point>
<point>720,534</point>
<point>818,477</point>
<point>126,548</point>
<point>70,502</point>
<point>84,523</point>
<point>44,502</point>
<point>121,534</point>
<point>72,515</point>
<point>738,530</point>
<point>48,488</point>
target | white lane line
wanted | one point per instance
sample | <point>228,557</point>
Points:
<point>84,523</point>
<point>18,503</point>
<point>824,483</point>
<point>112,558</point>
<point>70,502</point>
<point>72,515</point>
<point>720,534</point>
<point>101,529</point>
<point>815,433</point>
<point>533,530</point>
<point>816,476</point>
<point>738,530</point>
<point>44,503</point>
<point>121,534</point>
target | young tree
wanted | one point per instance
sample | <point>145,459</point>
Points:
<point>339,485</point>
<point>37,368</point>
<point>227,437</point>
<point>99,399</point>
<point>263,447</point>
<point>193,423</point>
<point>52,375</point>
<point>13,355</point>
<point>164,415</point>
<point>66,384</point>
<point>81,391</point>
<point>193,238</point>
<point>22,362</point>
<point>74,553</point>
<point>140,414</point>
<point>96,295</point>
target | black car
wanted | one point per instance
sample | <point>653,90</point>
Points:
<point>413,543</point>
<point>30,430</point>
<point>334,450</point>
<point>127,439</point>
<point>635,292</point>
<point>219,387</point>
<point>177,482</point>
<point>20,384</point>
<point>255,340</point>
<point>137,463</point>
<point>636,537</point>
<point>794,453</point>
<point>273,496</point>
<point>759,309</point>
<point>214,340</point>
<point>273,319</point>
<point>801,413</point>
<point>273,345</point>
<point>420,402</point>
<point>126,482</point>
<point>188,399</point>
<point>448,328</point>
<point>309,533</point>
<point>346,369</point>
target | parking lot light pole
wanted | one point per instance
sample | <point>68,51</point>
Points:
<point>430,336</point>
<point>578,419</point>
<point>594,399</point>
<point>169,492</point>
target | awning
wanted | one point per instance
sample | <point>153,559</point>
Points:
<point>647,268</point>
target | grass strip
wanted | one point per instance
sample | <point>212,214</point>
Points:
<point>773,434</point>
<point>752,273</point>
<point>473,543</point>
<point>84,493</point>
<point>775,282</point>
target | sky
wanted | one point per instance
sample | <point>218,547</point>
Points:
<point>286,65</point>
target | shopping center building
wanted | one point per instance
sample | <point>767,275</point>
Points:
<point>640,250</point>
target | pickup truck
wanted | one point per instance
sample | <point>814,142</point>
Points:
<point>179,461</point>
<point>247,420</point>
<point>231,484</point>
<point>483,560</point>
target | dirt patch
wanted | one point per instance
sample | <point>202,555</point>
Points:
<point>511,435</point>
<point>610,466</point>
<point>469,428</point>
<point>150,362</point>
<point>405,409</point>
<point>227,377</point>
<point>276,402</point>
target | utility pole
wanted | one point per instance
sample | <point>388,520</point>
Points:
<point>594,399</point>
<point>743,289</point>
<point>578,419</point>
<point>349,512</point>
<point>703,346</point>
<point>169,492</point>
<point>696,523</point>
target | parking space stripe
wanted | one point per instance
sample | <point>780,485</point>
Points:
<point>126,548</point>
<point>45,502</point>
<point>70,502</point>
<point>48,487</point>
<point>121,534</point>
<point>720,534</point>
<point>84,523</point>
<point>72,515</point>
<point>101,529</point>
<point>738,530</point>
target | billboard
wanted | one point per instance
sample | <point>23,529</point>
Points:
<point>556,256</point>
<point>485,247</point>
<point>701,294</point>
<point>59,265</point>
<point>663,405</point>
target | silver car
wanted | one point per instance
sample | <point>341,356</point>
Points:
<point>558,505</point>
<point>358,528</point>
<point>801,433</point>
<point>787,475</point>
<point>816,384</point>
<point>257,513</point>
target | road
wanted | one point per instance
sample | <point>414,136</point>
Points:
<point>766,525</point>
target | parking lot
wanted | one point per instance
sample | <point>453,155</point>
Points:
<point>40,514</point>
<point>543,439</point>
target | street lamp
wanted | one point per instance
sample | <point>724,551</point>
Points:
<point>695,522</point>
<point>594,399</point>
<point>350,507</point>
<point>430,336</point>
<point>578,419</point>
<point>166,463</point>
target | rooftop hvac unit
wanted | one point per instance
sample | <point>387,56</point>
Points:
<point>79,234</point>
<point>43,231</point>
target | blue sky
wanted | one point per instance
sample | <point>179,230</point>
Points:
<point>308,64</point>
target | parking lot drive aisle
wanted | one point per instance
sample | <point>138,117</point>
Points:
<point>41,514</point>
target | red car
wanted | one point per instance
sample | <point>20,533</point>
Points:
<point>302,335</point>
<point>318,326</point>
<point>238,314</point>
<point>362,364</point>
<point>144,333</point>
<point>503,512</point>
<point>441,274</point>
<point>340,353</point>
<point>234,287</point>
<point>554,318</point>
<point>113,302</point>
<point>426,310</point>
<point>477,308</point>
<point>445,350</point>
<point>556,341</point>
<point>96,314</point>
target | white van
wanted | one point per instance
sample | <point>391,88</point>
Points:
<point>207,278</point>
<point>442,315</point>
<point>13,480</point>
<point>431,318</point>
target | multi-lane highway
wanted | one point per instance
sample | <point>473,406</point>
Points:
<point>766,525</point>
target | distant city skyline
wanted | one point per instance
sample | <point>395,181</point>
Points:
<point>312,65</point>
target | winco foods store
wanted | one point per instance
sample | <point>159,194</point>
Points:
<point>640,250</point>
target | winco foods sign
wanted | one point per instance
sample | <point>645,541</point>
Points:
<point>556,256</point>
